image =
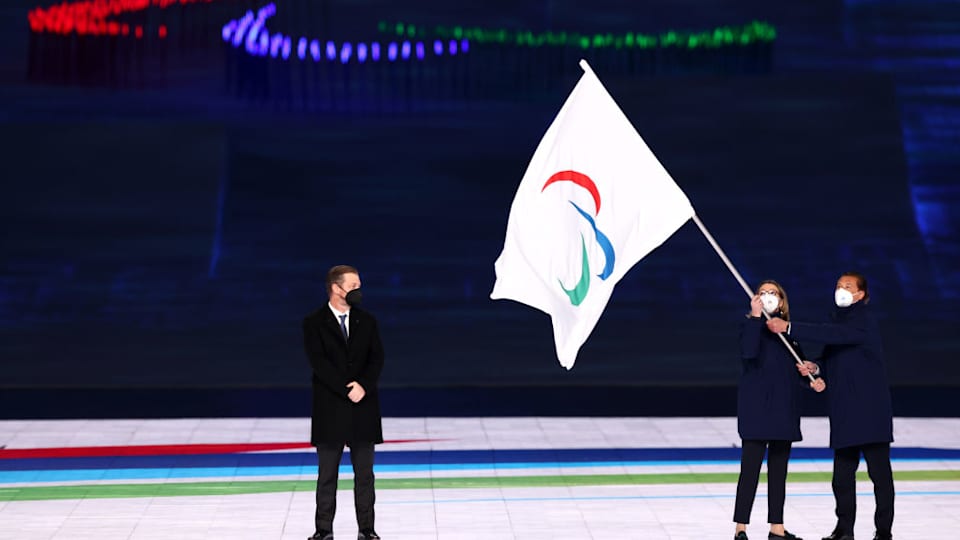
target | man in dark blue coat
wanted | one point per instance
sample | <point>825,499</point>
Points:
<point>861,414</point>
<point>342,342</point>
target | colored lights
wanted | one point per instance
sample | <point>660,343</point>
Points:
<point>93,17</point>
<point>251,30</point>
<point>724,36</point>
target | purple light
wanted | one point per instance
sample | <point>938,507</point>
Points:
<point>229,29</point>
<point>251,42</point>
<point>302,48</point>
<point>264,45</point>
<point>254,33</point>
<point>275,42</point>
<point>242,29</point>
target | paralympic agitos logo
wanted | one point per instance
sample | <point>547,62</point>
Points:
<point>579,291</point>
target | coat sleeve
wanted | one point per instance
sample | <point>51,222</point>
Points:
<point>750,338</point>
<point>323,368</point>
<point>850,332</point>
<point>370,376</point>
<point>804,381</point>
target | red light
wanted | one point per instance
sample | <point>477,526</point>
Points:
<point>91,16</point>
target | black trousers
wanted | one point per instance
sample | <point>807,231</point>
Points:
<point>361,457</point>
<point>751,458</point>
<point>845,464</point>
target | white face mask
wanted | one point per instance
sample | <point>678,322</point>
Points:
<point>771,303</point>
<point>843,297</point>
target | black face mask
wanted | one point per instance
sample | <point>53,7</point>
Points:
<point>354,297</point>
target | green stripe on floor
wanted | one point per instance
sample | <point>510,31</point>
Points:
<point>180,489</point>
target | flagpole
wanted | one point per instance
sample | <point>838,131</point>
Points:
<point>740,280</point>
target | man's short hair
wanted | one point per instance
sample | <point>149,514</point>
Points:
<point>861,283</point>
<point>335,275</point>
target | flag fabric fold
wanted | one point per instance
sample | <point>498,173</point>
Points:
<point>593,202</point>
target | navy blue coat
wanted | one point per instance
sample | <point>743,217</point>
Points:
<point>768,394</point>
<point>852,366</point>
<point>336,362</point>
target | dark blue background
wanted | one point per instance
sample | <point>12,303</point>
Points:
<point>173,235</point>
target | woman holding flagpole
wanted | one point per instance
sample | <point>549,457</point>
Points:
<point>768,409</point>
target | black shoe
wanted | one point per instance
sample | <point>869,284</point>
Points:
<point>321,535</point>
<point>742,535</point>
<point>882,536</point>
<point>787,535</point>
<point>368,534</point>
<point>837,535</point>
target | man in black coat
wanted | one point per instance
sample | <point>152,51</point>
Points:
<point>342,342</point>
<point>861,413</point>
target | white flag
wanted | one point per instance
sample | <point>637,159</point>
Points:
<point>593,202</point>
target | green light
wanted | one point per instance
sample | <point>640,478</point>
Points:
<point>723,36</point>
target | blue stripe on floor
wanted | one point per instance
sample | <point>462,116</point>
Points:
<point>83,475</point>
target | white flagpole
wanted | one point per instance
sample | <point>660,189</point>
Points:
<point>746,288</point>
<point>586,68</point>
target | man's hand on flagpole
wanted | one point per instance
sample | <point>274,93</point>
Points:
<point>777,325</point>
<point>808,368</point>
<point>818,385</point>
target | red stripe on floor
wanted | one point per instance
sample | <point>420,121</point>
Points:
<point>159,449</point>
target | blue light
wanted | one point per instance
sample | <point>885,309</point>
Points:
<point>302,48</point>
<point>242,29</point>
<point>275,42</point>
<point>251,32</point>
<point>229,29</point>
<point>252,37</point>
<point>264,45</point>
<point>464,46</point>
